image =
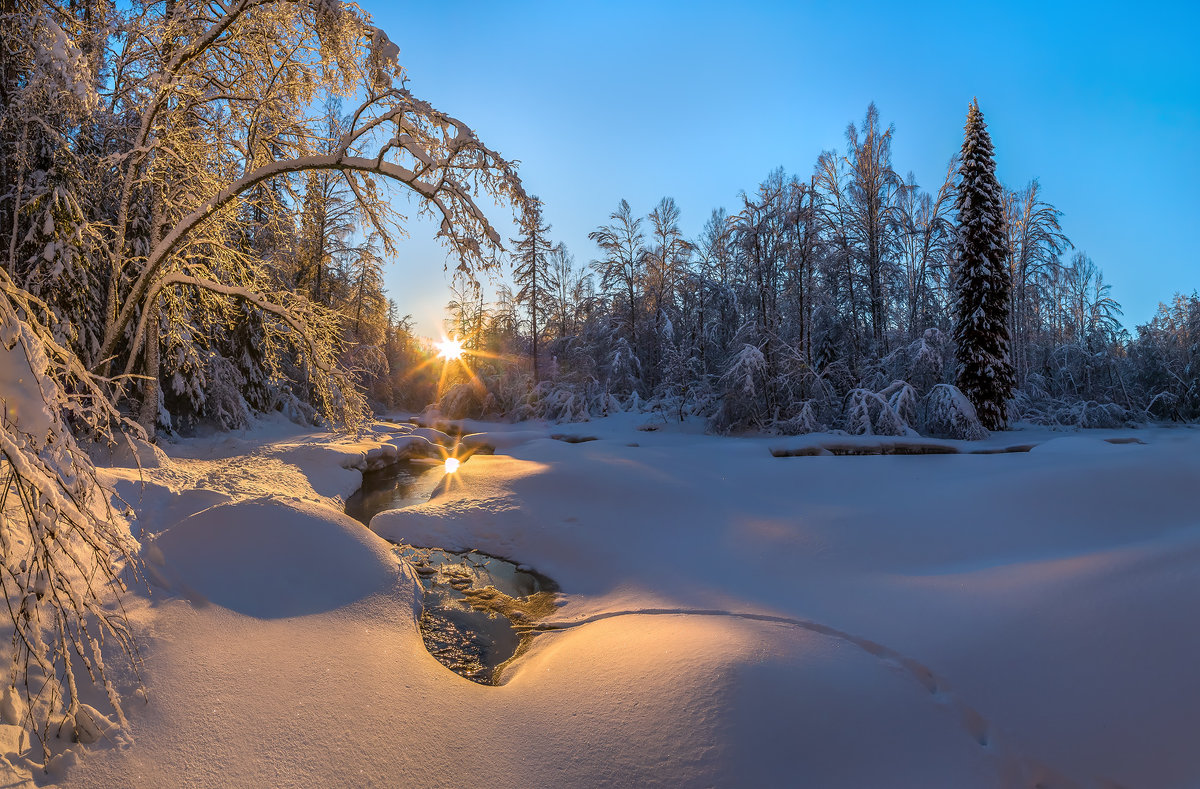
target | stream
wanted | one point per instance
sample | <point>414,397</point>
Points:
<point>473,602</point>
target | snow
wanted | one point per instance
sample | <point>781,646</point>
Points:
<point>22,399</point>
<point>269,558</point>
<point>729,617</point>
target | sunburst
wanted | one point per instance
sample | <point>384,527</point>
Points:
<point>450,349</point>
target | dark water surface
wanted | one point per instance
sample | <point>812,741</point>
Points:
<point>473,602</point>
<point>399,485</point>
<point>473,605</point>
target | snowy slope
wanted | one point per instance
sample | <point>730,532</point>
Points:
<point>729,617</point>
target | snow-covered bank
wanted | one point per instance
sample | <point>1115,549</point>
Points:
<point>730,617</point>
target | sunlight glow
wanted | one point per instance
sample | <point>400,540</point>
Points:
<point>450,349</point>
<point>451,465</point>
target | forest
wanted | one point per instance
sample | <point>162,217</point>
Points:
<point>198,200</point>
<point>175,208</point>
<point>818,301</point>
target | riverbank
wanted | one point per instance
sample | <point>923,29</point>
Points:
<point>728,617</point>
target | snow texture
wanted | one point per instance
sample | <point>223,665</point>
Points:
<point>728,617</point>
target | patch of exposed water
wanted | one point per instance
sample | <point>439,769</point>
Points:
<point>397,486</point>
<point>473,602</point>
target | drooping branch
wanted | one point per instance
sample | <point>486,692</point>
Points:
<point>257,299</point>
<point>448,194</point>
<point>140,147</point>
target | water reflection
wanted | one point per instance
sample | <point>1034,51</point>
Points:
<point>473,602</point>
<point>399,485</point>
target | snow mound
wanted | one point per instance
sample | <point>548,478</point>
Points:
<point>1072,445</point>
<point>272,559</point>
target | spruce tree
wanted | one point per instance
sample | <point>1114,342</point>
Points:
<point>981,280</point>
<point>530,270</point>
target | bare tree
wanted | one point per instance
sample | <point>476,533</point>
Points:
<point>874,188</point>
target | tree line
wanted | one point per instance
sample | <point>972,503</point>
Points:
<point>814,303</point>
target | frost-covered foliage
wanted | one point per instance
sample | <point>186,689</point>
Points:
<point>982,280</point>
<point>64,547</point>
<point>1072,413</point>
<point>1163,370</point>
<point>947,413</point>
<point>868,413</point>
<point>684,389</point>
<point>815,287</point>
<point>903,400</point>
<point>743,384</point>
<point>184,190</point>
<point>624,369</point>
<point>921,363</point>
<point>805,421</point>
<point>845,281</point>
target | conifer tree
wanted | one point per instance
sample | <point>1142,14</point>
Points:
<point>530,269</point>
<point>982,280</point>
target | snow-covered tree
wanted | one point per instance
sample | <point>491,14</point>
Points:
<point>63,547</point>
<point>531,272</point>
<point>981,279</point>
<point>623,247</point>
<point>1034,242</point>
<point>948,413</point>
<point>743,396</point>
<point>874,189</point>
<point>665,260</point>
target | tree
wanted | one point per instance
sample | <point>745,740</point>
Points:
<point>255,67</point>
<point>666,259</point>
<point>981,279</point>
<point>1035,241</point>
<point>1093,311</point>
<point>834,215</point>
<point>620,269</point>
<point>926,235</point>
<point>568,291</point>
<point>530,272</point>
<point>874,187</point>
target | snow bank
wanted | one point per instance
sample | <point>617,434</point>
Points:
<point>270,559</point>
<point>727,617</point>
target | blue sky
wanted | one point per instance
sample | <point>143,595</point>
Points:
<point>603,101</point>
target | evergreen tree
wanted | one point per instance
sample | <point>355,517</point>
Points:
<point>982,280</point>
<point>530,270</point>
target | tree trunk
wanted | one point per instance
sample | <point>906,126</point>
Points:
<point>148,413</point>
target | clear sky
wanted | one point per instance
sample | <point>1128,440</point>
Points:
<point>608,100</point>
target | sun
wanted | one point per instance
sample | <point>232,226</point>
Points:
<point>450,349</point>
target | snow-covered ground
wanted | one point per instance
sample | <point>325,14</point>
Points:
<point>727,617</point>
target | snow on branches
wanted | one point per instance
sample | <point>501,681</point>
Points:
<point>63,545</point>
<point>982,280</point>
